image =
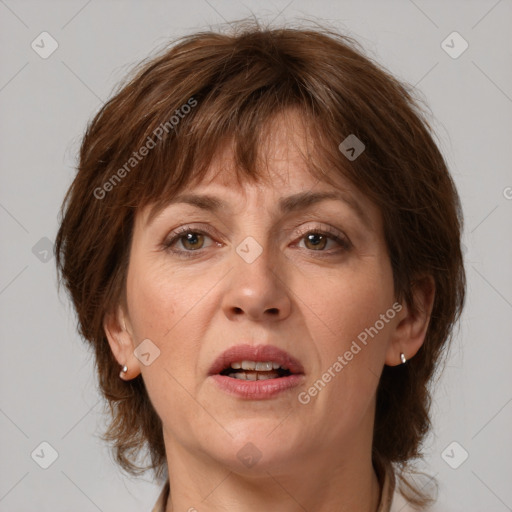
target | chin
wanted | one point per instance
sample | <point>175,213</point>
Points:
<point>260,445</point>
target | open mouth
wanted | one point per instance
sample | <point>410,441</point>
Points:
<point>259,372</point>
<point>252,370</point>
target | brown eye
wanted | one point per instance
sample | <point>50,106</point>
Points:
<point>317,241</point>
<point>192,240</point>
<point>186,241</point>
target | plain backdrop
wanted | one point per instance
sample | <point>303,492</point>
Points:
<point>48,384</point>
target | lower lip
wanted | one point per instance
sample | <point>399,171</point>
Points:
<point>257,389</point>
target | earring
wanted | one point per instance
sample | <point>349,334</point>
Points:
<point>123,371</point>
<point>402,358</point>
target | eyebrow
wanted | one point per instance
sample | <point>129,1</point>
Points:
<point>289,204</point>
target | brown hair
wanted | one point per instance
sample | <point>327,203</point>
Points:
<point>234,84</point>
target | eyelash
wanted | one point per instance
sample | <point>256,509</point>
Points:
<point>330,233</point>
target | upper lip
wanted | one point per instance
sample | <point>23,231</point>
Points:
<point>258,353</point>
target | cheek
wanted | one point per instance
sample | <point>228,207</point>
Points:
<point>349,335</point>
<point>150,305</point>
<point>171,309</point>
<point>166,309</point>
<point>159,299</point>
<point>349,303</point>
<point>351,338</point>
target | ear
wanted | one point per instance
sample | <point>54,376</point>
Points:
<point>411,327</point>
<point>119,334</point>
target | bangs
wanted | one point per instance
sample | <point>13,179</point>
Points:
<point>229,103</point>
<point>241,146</point>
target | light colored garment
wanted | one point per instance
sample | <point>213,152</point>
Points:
<point>162,499</point>
<point>390,500</point>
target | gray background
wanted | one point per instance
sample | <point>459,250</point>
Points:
<point>48,388</point>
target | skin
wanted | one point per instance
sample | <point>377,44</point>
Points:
<point>314,456</point>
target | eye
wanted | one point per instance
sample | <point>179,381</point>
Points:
<point>317,239</point>
<point>191,240</point>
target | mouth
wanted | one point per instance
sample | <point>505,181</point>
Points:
<point>256,372</point>
<point>248,361</point>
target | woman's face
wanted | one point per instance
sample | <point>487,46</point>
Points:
<point>257,271</point>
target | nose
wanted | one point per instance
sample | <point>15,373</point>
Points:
<point>257,290</point>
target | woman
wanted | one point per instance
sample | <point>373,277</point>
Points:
<point>265,239</point>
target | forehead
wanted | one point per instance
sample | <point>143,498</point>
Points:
<point>281,166</point>
<point>284,167</point>
<point>294,192</point>
<point>285,181</point>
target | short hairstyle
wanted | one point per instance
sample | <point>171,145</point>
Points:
<point>219,87</point>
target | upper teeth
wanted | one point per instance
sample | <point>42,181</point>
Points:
<point>264,366</point>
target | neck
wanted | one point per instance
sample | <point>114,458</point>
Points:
<point>320,482</point>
